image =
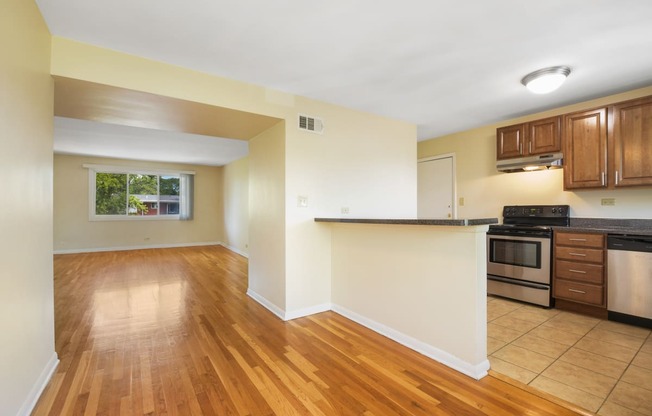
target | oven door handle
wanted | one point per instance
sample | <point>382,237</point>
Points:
<point>518,282</point>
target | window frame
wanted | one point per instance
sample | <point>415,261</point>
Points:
<point>92,192</point>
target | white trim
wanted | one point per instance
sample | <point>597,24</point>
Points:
<point>39,386</point>
<point>444,156</point>
<point>476,371</point>
<point>134,169</point>
<point>311,310</point>
<point>157,217</point>
<point>236,250</point>
<point>287,316</point>
<point>143,247</point>
<point>267,304</point>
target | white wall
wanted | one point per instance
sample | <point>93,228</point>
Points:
<point>486,191</point>
<point>27,355</point>
<point>236,206</point>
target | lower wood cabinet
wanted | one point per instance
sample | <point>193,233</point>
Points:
<point>579,270</point>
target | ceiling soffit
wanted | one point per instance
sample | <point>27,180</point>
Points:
<point>113,105</point>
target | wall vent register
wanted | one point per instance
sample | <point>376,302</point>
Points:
<point>311,124</point>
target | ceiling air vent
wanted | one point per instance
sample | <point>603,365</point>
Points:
<point>311,124</point>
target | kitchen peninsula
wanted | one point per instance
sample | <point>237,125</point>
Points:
<point>420,282</point>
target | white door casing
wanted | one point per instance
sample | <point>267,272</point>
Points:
<point>436,187</point>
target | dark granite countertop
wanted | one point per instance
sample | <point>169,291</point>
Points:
<point>444,222</point>
<point>609,226</point>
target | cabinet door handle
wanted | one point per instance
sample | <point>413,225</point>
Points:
<point>520,148</point>
<point>529,149</point>
<point>577,254</point>
<point>577,239</point>
<point>577,271</point>
<point>577,291</point>
<point>602,178</point>
<point>616,177</point>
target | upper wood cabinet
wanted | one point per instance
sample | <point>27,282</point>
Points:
<point>510,141</point>
<point>609,147</point>
<point>585,149</point>
<point>544,136</point>
<point>533,138</point>
<point>632,142</point>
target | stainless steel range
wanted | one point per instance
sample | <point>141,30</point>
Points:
<point>519,252</point>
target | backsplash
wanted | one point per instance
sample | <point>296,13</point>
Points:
<point>611,223</point>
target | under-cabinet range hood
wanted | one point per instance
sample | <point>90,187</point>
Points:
<point>524,164</point>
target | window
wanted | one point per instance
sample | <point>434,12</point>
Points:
<point>120,193</point>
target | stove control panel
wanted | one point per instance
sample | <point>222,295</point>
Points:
<point>539,211</point>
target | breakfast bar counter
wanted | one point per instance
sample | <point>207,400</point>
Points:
<point>445,222</point>
<point>422,283</point>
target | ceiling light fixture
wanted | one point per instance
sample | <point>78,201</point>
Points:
<point>546,80</point>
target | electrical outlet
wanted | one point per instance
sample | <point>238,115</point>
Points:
<point>302,201</point>
<point>345,210</point>
<point>608,201</point>
<point>461,201</point>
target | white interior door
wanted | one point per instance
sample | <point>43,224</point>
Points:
<point>436,187</point>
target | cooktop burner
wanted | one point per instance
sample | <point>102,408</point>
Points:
<point>532,219</point>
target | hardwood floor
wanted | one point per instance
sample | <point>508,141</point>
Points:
<point>171,331</point>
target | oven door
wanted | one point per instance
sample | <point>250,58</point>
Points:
<point>519,257</point>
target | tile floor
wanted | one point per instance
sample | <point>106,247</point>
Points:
<point>602,366</point>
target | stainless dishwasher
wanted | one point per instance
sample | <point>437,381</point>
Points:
<point>629,279</point>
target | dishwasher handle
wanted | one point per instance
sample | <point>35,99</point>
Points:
<point>642,243</point>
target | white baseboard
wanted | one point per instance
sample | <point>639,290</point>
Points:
<point>39,386</point>
<point>287,316</point>
<point>236,250</point>
<point>267,304</point>
<point>143,247</point>
<point>300,313</point>
<point>449,360</point>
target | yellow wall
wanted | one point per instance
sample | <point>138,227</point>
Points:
<point>236,206</point>
<point>267,246</point>
<point>423,286</point>
<point>74,232</point>
<point>362,161</point>
<point>485,190</point>
<point>27,354</point>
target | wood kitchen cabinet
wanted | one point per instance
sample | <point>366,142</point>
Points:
<point>585,149</point>
<point>632,142</point>
<point>579,272</point>
<point>609,147</point>
<point>527,139</point>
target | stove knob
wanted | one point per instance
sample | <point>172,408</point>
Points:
<point>554,210</point>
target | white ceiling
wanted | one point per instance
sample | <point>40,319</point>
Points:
<point>445,66</point>
<point>73,136</point>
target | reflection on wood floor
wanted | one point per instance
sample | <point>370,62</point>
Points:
<point>171,331</point>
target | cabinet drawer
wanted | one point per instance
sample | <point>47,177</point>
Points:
<point>583,272</point>
<point>580,240</point>
<point>579,292</point>
<point>588,255</point>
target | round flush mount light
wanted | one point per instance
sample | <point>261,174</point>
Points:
<point>546,80</point>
